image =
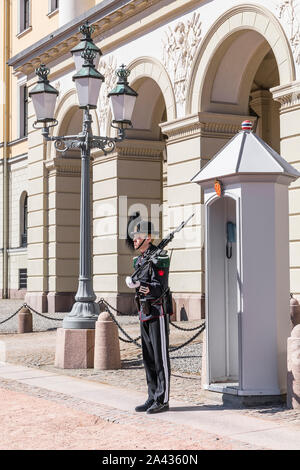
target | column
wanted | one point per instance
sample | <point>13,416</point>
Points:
<point>71,9</point>
<point>192,141</point>
<point>63,232</point>
<point>289,98</point>
<point>268,127</point>
<point>130,179</point>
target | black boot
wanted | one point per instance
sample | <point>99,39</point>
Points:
<point>145,406</point>
<point>158,408</point>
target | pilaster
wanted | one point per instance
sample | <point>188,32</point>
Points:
<point>37,269</point>
<point>289,98</point>
<point>63,231</point>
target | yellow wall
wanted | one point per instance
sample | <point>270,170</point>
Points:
<point>41,25</point>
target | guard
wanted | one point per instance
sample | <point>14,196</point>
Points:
<point>151,288</point>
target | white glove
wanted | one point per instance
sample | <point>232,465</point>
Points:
<point>132,284</point>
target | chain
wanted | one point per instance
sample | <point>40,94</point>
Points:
<point>41,315</point>
<point>190,340</point>
<point>11,316</point>
<point>34,311</point>
<point>107,307</point>
<point>131,340</point>
<point>103,301</point>
<point>185,329</point>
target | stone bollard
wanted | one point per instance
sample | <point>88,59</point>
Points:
<point>293,367</point>
<point>25,320</point>
<point>107,345</point>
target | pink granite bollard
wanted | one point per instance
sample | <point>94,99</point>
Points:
<point>25,320</point>
<point>293,366</point>
<point>107,345</point>
<point>74,348</point>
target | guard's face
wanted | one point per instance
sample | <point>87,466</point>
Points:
<point>138,239</point>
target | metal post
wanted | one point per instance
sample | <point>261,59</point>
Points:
<point>85,310</point>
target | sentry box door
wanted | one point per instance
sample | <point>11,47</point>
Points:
<point>222,293</point>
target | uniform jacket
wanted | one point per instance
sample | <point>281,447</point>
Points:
<point>156,278</point>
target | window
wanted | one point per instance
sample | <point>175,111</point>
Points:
<point>22,278</point>
<point>24,15</point>
<point>23,111</point>
<point>24,218</point>
<point>53,5</point>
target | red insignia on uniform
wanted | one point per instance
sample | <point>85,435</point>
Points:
<point>218,187</point>
<point>161,272</point>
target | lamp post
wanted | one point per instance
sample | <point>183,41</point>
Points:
<point>88,81</point>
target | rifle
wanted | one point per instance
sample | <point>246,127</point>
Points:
<point>151,258</point>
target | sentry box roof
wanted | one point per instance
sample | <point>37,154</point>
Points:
<point>245,153</point>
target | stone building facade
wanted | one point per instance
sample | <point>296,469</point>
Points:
<point>200,68</point>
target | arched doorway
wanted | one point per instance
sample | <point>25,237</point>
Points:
<point>238,82</point>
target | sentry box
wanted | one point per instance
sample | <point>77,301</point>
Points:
<point>247,268</point>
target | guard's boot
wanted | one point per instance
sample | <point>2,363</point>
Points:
<point>148,403</point>
<point>158,408</point>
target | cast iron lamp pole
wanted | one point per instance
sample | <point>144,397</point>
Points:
<point>88,80</point>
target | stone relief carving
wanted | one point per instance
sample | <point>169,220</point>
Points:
<point>288,11</point>
<point>108,69</point>
<point>179,50</point>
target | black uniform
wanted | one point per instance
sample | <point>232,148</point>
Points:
<point>154,326</point>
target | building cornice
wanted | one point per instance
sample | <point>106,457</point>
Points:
<point>288,96</point>
<point>63,166</point>
<point>203,124</point>
<point>104,16</point>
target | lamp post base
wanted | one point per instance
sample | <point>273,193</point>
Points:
<point>82,316</point>
<point>75,348</point>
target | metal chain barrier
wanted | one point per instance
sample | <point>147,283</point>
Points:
<point>11,316</point>
<point>33,310</point>
<point>185,329</point>
<point>104,302</point>
<point>41,314</point>
<point>107,307</point>
<point>190,340</point>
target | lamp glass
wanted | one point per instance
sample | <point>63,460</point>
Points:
<point>88,89</point>
<point>122,106</point>
<point>44,105</point>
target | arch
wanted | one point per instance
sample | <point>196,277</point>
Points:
<point>239,20</point>
<point>150,67</point>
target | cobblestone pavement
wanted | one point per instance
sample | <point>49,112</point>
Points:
<point>37,349</point>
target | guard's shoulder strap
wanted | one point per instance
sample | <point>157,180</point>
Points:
<point>163,260</point>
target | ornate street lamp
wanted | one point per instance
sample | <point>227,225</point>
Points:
<point>88,81</point>
<point>85,43</point>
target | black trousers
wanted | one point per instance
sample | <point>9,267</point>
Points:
<point>155,343</point>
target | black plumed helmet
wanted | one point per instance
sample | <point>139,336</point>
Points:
<point>132,222</point>
<point>145,227</point>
